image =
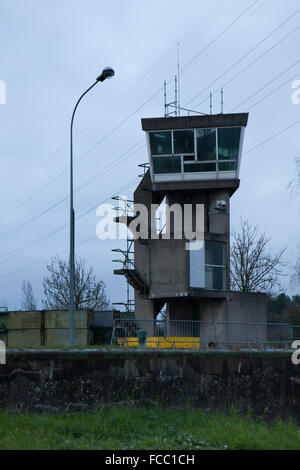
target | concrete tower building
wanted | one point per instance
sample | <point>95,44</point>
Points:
<point>194,161</point>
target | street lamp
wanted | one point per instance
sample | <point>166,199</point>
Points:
<point>107,72</point>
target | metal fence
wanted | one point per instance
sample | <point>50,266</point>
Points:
<point>202,334</point>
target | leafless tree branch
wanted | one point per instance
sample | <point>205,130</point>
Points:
<point>89,293</point>
<point>253,267</point>
<point>28,302</point>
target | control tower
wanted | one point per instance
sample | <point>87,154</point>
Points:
<point>194,161</point>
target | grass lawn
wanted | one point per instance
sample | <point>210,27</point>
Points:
<point>125,427</point>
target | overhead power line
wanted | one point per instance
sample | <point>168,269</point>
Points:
<point>12,254</point>
<point>265,86</point>
<point>274,91</point>
<point>186,66</point>
<point>272,137</point>
<point>253,62</point>
<point>95,177</point>
<point>244,56</point>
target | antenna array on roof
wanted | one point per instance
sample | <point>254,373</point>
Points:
<point>175,106</point>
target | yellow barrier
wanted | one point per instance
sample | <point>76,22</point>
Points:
<point>163,343</point>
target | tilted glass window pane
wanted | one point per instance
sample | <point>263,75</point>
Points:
<point>161,143</point>
<point>215,253</point>
<point>227,166</point>
<point>163,165</point>
<point>215,278</point>
<point>199,167</point>
<point>206,144</point>
<point>229,143</point>
<point>184,141</point>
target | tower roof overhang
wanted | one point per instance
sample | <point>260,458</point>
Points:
<point>194,122</point>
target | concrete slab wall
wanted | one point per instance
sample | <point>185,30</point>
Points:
<point>46,328</point>
<point>169,267</point>
<point>238,310</point>
<point>223,321</point>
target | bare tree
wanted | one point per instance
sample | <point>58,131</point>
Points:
<point>28,302</point>
<point>253,267</point>
<point>89,293</point>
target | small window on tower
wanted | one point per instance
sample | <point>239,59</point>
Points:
<point>206,144</point>
<point>161,143</point>
<point>215,265</point>
<point>184,142</point>
<point>229,143</point>
<point>165,165</point>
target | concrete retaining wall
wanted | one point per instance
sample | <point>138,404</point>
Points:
<point>56,380</point>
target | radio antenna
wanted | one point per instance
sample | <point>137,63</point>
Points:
<point>222,100</point>
<point>178,77</point>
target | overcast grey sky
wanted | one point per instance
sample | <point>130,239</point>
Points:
<point>52,50</point>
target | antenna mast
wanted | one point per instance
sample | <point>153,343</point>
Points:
<point>178,76</point>
<point>222,100</point>
<point>165,98</point>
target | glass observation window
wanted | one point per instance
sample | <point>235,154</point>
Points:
<point>164,165</point>
<point>212,150</point>
<point>229,143</point>
<point>161,143</point>
<point>206,144</point>
<point>184,142</point>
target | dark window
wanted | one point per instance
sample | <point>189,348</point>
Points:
<point>229,143</point>
<point>163,165</point>
<point>184,141</point>
<point>189,158</point>
<point>215,253</point>
<point>215,278</point>
<point>161,143</point>
<point>199,167</point>
<point>206,144</point>
<point>227,166</point>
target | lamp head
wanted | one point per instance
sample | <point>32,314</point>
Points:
<point>107,72</point>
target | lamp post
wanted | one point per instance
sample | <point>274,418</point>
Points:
<point>107,72</point>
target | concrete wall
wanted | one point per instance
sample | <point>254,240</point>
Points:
<point>169,267</point>
<point>46,328</point>
<point>237,316</point>
<point>268,383</point>
<point>239,310</point>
